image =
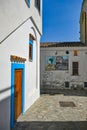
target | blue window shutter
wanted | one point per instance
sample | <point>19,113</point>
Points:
<point>31,42</point>
<point>28,2</point>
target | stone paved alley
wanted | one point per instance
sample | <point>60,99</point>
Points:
<point>47,113</point>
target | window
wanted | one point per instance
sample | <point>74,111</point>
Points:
<point>67,52</point>
<point>85,84</point>
<point>67,84</point>
<point>75,68</point>
<point>30,50</point>
<point>75,52</point>
<point>31,39</point>
<point>27,2</point>
<point>37,5</point>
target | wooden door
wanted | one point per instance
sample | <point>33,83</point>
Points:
<point>18,94</point>
<point>75,66</point>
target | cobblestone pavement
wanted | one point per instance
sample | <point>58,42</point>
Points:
<point>47,114</point>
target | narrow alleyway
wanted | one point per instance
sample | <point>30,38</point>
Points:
<point>56,112</point>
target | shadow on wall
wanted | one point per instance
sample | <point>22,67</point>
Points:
<point>65,92</point>
<point>5,111</point>
<point>51,125</point>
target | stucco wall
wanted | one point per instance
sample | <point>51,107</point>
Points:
<point>14,13</point>
<point>18,44</point>
<point>57,78</point>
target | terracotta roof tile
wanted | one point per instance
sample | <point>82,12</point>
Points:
<point>62,44</point>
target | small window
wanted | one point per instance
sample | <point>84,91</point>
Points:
<point>75,52</point>
<point>67,52</point>
<point>30,51</point>
<point>75,68</point>
<point>37,5</point>
<point>85,84</point>
<point>67,84</point>
<point>27,2</point>
<point>31,41</point>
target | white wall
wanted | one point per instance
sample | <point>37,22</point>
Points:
<point>14,13</point>
<point>18,44</point>
<point>64,75</point>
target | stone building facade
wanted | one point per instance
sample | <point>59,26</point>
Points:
<point>63,65</point>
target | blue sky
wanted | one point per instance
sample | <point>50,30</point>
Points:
<point>61,20</point>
